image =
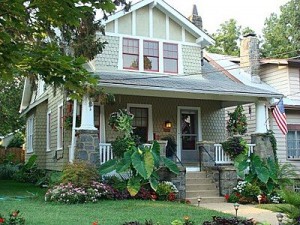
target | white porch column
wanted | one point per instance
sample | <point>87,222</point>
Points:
<point>261,118</point>
<point>87,114</point>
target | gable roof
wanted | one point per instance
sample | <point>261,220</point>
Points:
<point>172,13</point>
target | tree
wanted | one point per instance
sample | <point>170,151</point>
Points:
<point>52,40</point>
<point>10,98</point>
<point>282,32</point>
<point>226,39</point>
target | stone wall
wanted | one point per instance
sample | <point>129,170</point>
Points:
<point>179,182</point>
<point>263,146</point>
<point>224,176</point>
<point>87,146</point>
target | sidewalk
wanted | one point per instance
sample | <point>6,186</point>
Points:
<point>247,211</point>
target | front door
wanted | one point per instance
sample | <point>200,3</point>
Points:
<point>189,135</point>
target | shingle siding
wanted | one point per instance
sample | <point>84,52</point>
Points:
<point>108,59</point>
<point>191,57</point>
<point>212,116</point>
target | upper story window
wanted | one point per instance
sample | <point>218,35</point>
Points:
<point>170,58</point>
<point>151,56</point>
<point>130,54</point>
<point>293,144</point>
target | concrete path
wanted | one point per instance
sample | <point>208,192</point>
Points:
<point>247,211</point>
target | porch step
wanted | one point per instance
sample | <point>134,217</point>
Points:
<point>199,186</point>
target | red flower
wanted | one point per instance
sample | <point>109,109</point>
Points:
<point>171,196</point>
<point>2,220</point>
<point>95,223</point>
<point>227,197</point>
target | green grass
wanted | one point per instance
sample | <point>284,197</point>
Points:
<point>273,207</point>
<point>36,211</point>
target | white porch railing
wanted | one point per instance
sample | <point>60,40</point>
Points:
<point>105,152</point>
<point>222,157</point>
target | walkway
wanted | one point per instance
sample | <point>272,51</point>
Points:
<point>247,211</point>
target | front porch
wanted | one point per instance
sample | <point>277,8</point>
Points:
<point>190,121</point>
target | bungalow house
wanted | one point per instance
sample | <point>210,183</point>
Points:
<point>154,65</point>
<point>283,76</point>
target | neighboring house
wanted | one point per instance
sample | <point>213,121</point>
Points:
<point>5,140</point>
<point>281,75</point>
<point>153,64</point>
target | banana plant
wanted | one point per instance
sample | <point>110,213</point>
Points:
<point>143,163</point>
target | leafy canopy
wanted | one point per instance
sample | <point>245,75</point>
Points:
<point>282,32</point>
<point>52,39</point>
<point>227,38</point>
<point>10,98</point>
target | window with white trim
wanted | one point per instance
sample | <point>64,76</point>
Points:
<point>147,55</point>
<point>140,123</point>
<point>130,53</point>
<point>60,126</point>
<point>48,132</point>
<point>151,56</point>
<point>297,186</point>
<point>293,144</point>
<point>170,58</point>
<point>30,123</point>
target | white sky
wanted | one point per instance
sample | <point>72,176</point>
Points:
<point>251,13</point>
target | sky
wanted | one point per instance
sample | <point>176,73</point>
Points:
<point>251,13</point>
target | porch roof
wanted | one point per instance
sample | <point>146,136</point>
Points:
<point>209,82</point>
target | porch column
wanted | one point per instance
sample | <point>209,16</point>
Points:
<point>261,118</point>
<point>87,114</point>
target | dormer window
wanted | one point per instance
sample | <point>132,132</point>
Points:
<point>151,56</point>
<point>130,53</point>
<point>170,58</point>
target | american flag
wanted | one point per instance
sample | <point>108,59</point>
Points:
<point>280,117</point>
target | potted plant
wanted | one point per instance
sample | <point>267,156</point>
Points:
<point>234,146</point>
<point>237,123</point>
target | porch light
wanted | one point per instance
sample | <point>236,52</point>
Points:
<point>279,218</point>
<point>168,124</point>
<point>236,207</point>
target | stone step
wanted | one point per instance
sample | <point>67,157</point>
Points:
<point>201,186</point>
<point>194,201</point>
<point>199,181</point>
<point>203,193</point>
<point>191,175</point>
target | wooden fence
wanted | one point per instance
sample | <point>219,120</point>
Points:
<point>17,155</point>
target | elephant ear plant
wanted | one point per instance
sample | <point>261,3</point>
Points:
<point>142,163</point>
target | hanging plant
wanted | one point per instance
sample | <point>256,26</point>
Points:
<point>121,121</point>
<point>237,123</point>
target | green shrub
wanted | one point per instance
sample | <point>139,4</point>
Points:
<point>29,171</point>
<point>292,209</point>
<point>80,174</point>
<point>7,171</point>
<point>165,188</point>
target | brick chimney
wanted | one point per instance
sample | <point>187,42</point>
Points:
<point>249,55</point>
<point>195,18</point>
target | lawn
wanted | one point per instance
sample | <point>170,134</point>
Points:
<point>108,212</point>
